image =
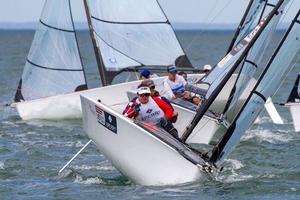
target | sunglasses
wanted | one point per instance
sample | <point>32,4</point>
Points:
<point>152,87</point>
<point>144,95</point>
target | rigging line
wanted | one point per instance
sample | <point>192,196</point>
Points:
<point>117,49</point>
<point>210,22</point>
<point>55,69</point>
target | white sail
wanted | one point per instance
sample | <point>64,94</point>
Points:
<point>53,65</point>
<point>225,66</point>
<point>253,10</point>
<point>253,61</point>
<point>267,84</point>
<point>136,33</point>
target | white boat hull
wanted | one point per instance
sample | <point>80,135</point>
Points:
<point>136,153</point>
<point>295,113</point>
<point>55,107</point>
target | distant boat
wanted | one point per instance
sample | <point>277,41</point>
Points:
<point>150,156</point>
<point>53,67</point>
<point>293,103</point>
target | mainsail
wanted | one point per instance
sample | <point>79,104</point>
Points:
<point>53,65</point>
<point>266,85</point>
<point>253,9</point>
<point>136,33</point>
<point>254,59</point>
<point>218,77</point>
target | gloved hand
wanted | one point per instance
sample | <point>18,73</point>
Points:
<point>174,117</point>
<point>163,122</point>
<point>168,126</point>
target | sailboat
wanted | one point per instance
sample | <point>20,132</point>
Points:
<point>147,155</point>
<point>293,103</point>
<point>53,76</point>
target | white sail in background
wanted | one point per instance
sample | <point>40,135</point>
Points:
<point>136,33</point>
<point>267,84</point>
<point>254,59</point>
<point>53,65</point>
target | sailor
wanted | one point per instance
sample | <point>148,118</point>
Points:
<point>174,87</point>
<point>151,110</point>
<point>154,93</point>
<point>206,69</point>
<point>183,74</point>
<point>145,74</point>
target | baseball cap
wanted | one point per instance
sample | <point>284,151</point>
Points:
<point>145,73</point>
<point>143,90</point>
<point>207,67</point>
<point>172,69</point>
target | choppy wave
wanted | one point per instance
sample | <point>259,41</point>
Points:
<point>88,181</point>
<point>230,174</point>
<point>268,136</point>
<point>94,167</point>
<point>2,165</point>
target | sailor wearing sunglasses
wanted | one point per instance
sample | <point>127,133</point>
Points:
<point>152,110</point>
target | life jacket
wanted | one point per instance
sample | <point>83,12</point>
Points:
<point>150,112</point>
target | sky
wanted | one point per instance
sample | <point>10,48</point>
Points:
<point>178,11</point>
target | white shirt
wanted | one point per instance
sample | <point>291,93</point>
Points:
<point>171,87</point>
<point>150,112</point>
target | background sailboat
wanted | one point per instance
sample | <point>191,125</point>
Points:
<point>53,67</point>
<point>293,103</point>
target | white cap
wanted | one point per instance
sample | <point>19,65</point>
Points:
<point>207,67</point>
<point>143,90</point>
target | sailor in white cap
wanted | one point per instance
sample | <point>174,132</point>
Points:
<point>152,110</point>
<point>206,68</point>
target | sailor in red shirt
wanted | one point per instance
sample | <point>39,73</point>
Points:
<point>152,110</point>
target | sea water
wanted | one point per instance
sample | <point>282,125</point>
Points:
<point>265,164</point>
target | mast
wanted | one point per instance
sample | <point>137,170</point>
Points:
<point>219,148</point>
<point>99,59</point>
<point>205,106</point>
<point>240,26</point>
<point>253,59</point>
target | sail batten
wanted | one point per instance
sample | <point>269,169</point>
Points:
<point>114,22</point>
<point>56,28</point>
<point>51,68</point>
<point>254,60</point>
